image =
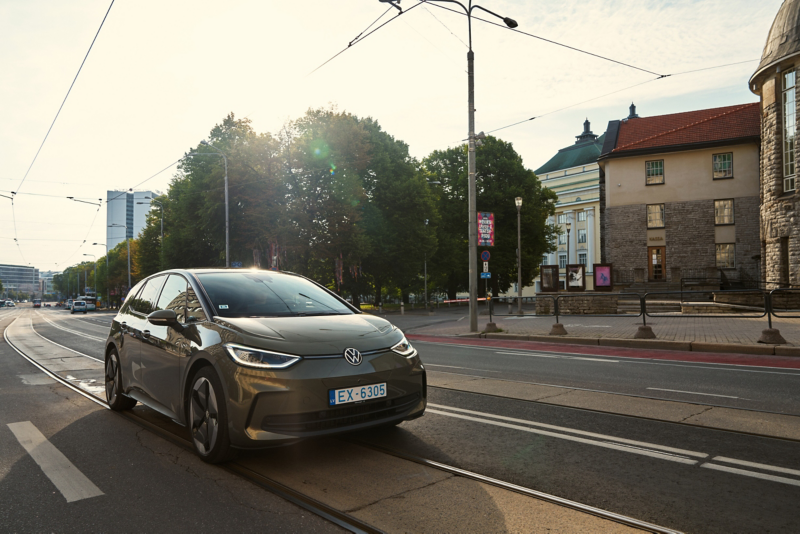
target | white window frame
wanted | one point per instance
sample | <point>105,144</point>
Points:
<point>651,174</point>
<point>582,258</point>
<point>562,261</point>
<point>789,102</point>
<point>561,218</point>
<point>581,216</point>
<point>581,235</point>
<point>562,238</point>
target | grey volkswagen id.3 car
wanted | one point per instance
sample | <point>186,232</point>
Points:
<point>253,358</point>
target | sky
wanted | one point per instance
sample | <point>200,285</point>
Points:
<point>162,74</point>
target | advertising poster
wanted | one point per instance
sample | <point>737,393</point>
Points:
<point>602,277</point>
<point>576,279</point>
<point>549,275</point>
<point>485,229</point>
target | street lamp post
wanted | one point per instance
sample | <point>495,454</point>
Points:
<point>128,241</point>
<point>227,220</point>
<point>473,214</point>
<point>569,226</point>
<point>518,202</point>
<point>108,296</point>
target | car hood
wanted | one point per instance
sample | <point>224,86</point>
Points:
<point>303,330</point>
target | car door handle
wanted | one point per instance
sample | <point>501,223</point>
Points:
<point>146,334</point>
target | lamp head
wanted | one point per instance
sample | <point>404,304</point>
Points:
<point>203,142</point>
<point>518,202</point>
<point>511,23</point>
<point>569,226</point>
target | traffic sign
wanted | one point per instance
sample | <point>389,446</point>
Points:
<point>236,264</point>
<point>486,275</point>
<point>486,266</point>
<point>485,255</point>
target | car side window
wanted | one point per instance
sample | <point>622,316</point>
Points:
<point>194,310</point>
<point>173,296</point>
<point>126,307</point>
<point>145,301</point>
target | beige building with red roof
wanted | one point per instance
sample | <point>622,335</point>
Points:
<point>679,196</point>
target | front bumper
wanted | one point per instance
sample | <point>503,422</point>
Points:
<point>274,407</point>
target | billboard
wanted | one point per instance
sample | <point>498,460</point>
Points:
<point>485,229</point>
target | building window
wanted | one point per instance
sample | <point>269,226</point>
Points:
<point>655,215</point>
<point>562,218</point>
<point>654,172</point>
<point>581,236</point>
<point>581,215</point>
<point>562,239</point>
<point>562,261</point>
<point>726,256</point>
<point>789,129</point>
<point>723,165</point>
<point>723,212</point>
<point>582,258</point>
<point>545,260</point>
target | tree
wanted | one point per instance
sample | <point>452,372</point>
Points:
<point>501,177</point>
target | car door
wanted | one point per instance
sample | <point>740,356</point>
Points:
<point>163,347</point>
<point>128,344</point>
<point>138,327</point>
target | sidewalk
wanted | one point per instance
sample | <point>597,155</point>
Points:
<point>724,330</point>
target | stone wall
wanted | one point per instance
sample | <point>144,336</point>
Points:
<point>690,233</point>
<point>780,212</point>
<point>588,303</point>
<point>748,241</point>
<point>754,300</point>
<point>626,236</point>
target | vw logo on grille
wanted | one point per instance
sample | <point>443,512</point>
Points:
<point>352,356</point>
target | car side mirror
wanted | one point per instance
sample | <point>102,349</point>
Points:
<point>164,318</point>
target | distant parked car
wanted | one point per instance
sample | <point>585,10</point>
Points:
<point>10,304</point>
<point>68,304</point>
<point>78,306</point>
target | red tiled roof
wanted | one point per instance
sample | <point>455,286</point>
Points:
<point>707,125</point>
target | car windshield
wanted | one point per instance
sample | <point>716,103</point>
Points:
<point>262,294</point>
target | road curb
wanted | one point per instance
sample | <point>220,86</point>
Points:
<point>684,346</point>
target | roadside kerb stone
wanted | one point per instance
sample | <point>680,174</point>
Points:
<point>787,351</point>
<point>646,344</point>
<point>768,350</point>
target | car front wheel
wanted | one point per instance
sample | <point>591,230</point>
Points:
<point>208,418</point>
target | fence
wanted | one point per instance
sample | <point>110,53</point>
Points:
<point>783,303</point>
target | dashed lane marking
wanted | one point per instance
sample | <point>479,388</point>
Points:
<point>72,484</point>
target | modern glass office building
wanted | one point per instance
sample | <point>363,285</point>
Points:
<point>124,211</point>
<point>19,278</point>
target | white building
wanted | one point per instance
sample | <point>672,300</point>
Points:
<point>123,210</point>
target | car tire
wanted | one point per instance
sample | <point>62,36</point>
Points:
<point>116,400</point>
<point>207,416</point>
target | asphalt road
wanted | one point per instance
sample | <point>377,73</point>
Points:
<point>687,478</point>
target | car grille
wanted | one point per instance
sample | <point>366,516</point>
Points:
<point>339,417</point>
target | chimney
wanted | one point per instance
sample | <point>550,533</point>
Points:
<point>633,114</point>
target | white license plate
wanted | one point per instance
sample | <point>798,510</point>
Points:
<point>356,394</point>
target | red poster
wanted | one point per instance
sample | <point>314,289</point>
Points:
<point>485,229</point>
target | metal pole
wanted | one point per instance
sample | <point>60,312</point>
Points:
<point>473,215</point>
<point>426,281</point>
<point>227,223</point>
<point>519,260</point>
<point>128,241</point>
<point>108,298</point>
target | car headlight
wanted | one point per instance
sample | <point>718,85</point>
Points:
<point>262,359</point>
<point>404,348</point>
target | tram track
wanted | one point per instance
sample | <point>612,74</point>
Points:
<point>321,509</point>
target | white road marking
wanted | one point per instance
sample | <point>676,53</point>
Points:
<point>54,325</point>
<point>694,393</point>
<point>744,472</point>
<point>756,465</point>
<point>454,367</point>
<point>65,348</point>
<point>653,454</point>
<point>72,484</point>
<point>579,432</point>
<point>542,355</point>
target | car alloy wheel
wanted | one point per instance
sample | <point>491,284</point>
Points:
<point>114,397</point>
<point>208,426</point>
<point>204,416</point>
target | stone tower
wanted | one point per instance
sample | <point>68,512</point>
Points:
<point>776,83</point>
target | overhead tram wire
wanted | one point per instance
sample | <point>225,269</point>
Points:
<point>660,77</point>
<point>503,26</point>
<point>65,97</point>
<point>358,38</point>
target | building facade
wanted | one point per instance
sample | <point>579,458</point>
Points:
<point>126,215</point>
<point>20,278</point>
<point>573,174</point>
<point>680,195</point>
<point>775,82</point>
